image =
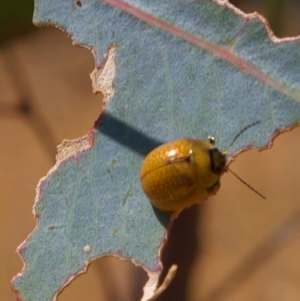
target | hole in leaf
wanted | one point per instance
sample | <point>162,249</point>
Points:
<point>107,279</point>
<point>282,15</point>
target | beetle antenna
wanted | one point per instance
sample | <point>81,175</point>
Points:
<point>241,132</point>
<point>245,183</point>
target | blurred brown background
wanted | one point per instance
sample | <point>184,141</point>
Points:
<point>236,246</point>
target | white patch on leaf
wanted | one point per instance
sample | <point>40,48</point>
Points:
<point>151,291</point>
<point>103,76</point>
<point>87,249</point>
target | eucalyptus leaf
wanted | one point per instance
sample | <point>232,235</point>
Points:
<point>168,70</point>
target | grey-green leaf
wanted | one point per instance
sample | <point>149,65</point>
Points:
<point>182,69</point>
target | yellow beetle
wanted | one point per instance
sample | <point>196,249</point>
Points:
<point>184,172</point>
<point>181,173</point>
